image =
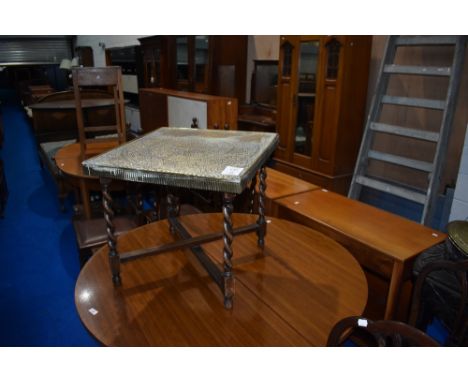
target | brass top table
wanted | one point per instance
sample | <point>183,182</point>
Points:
<point>214,160</point>
<point>283,297</point>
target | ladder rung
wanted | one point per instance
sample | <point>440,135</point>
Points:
<point>406,132</point>
<point>426,40</point>
<point>391,189</point>
<point>96,129</point>
<point>418,70</point>
<point>415,102</point>
<point>402,161</point>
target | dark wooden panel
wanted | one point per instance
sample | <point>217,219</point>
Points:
<point>153,110</point>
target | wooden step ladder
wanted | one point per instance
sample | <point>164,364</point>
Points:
<point>425,197</point>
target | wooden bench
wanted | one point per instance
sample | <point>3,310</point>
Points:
<point>280,185</point>
<point>384,244</point>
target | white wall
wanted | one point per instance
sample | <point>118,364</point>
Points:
<point>459,209</point>
<point>108,41</point>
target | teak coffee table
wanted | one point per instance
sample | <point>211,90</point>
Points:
<point>212,160</point>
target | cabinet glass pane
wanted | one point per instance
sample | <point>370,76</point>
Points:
<point>201,58</point>
<point>182,57</point>
<point>308,62</point>
<point>287,59</point>
<point>333,53</point>
<point>156,76</point>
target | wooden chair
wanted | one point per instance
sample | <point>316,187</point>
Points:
<point>363,331</point>
<point>91,232</point>
<point>55,127</point>
<point>110,77</point>
<point>441,291</point>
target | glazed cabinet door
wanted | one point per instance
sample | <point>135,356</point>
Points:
<point>285,95</point>
<point>305,100</point>
<point>151,59</point>
<point>202,63</point>
<point>193,63</point>
<point>299,68</point>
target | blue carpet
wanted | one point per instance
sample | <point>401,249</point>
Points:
<point>39,257</point>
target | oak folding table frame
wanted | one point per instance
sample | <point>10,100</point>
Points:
<point>212,160</point>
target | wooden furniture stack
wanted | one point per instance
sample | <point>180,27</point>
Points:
<point>205,64</point>
<point>322,86</point>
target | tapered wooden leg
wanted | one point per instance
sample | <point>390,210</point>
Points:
<point>227,238</point>
<point>114,259</point>
<point>261,231</point>
<point>85,198</point>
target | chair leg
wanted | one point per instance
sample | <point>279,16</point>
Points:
<point>84,255</point>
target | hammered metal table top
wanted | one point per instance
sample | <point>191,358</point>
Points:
<point>215,160</point>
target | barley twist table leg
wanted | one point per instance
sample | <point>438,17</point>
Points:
<point>253,184</point>
<point>114,258</point>
<point>261,230</point>
<point>227,238</point>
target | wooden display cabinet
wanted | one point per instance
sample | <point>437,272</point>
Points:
<point>193,60</point>
<point>156,62</point>
<point>321,100</point>
<point>204,64</point>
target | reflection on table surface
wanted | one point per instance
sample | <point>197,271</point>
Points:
<point>291,295</point>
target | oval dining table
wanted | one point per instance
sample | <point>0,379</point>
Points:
<point>68,160</point>
<point>289,294</point>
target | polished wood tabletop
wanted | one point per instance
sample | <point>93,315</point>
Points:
<point>280,185</point>
<point>290,295</point>
<point>68,160</point>
<point>68,157</point>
